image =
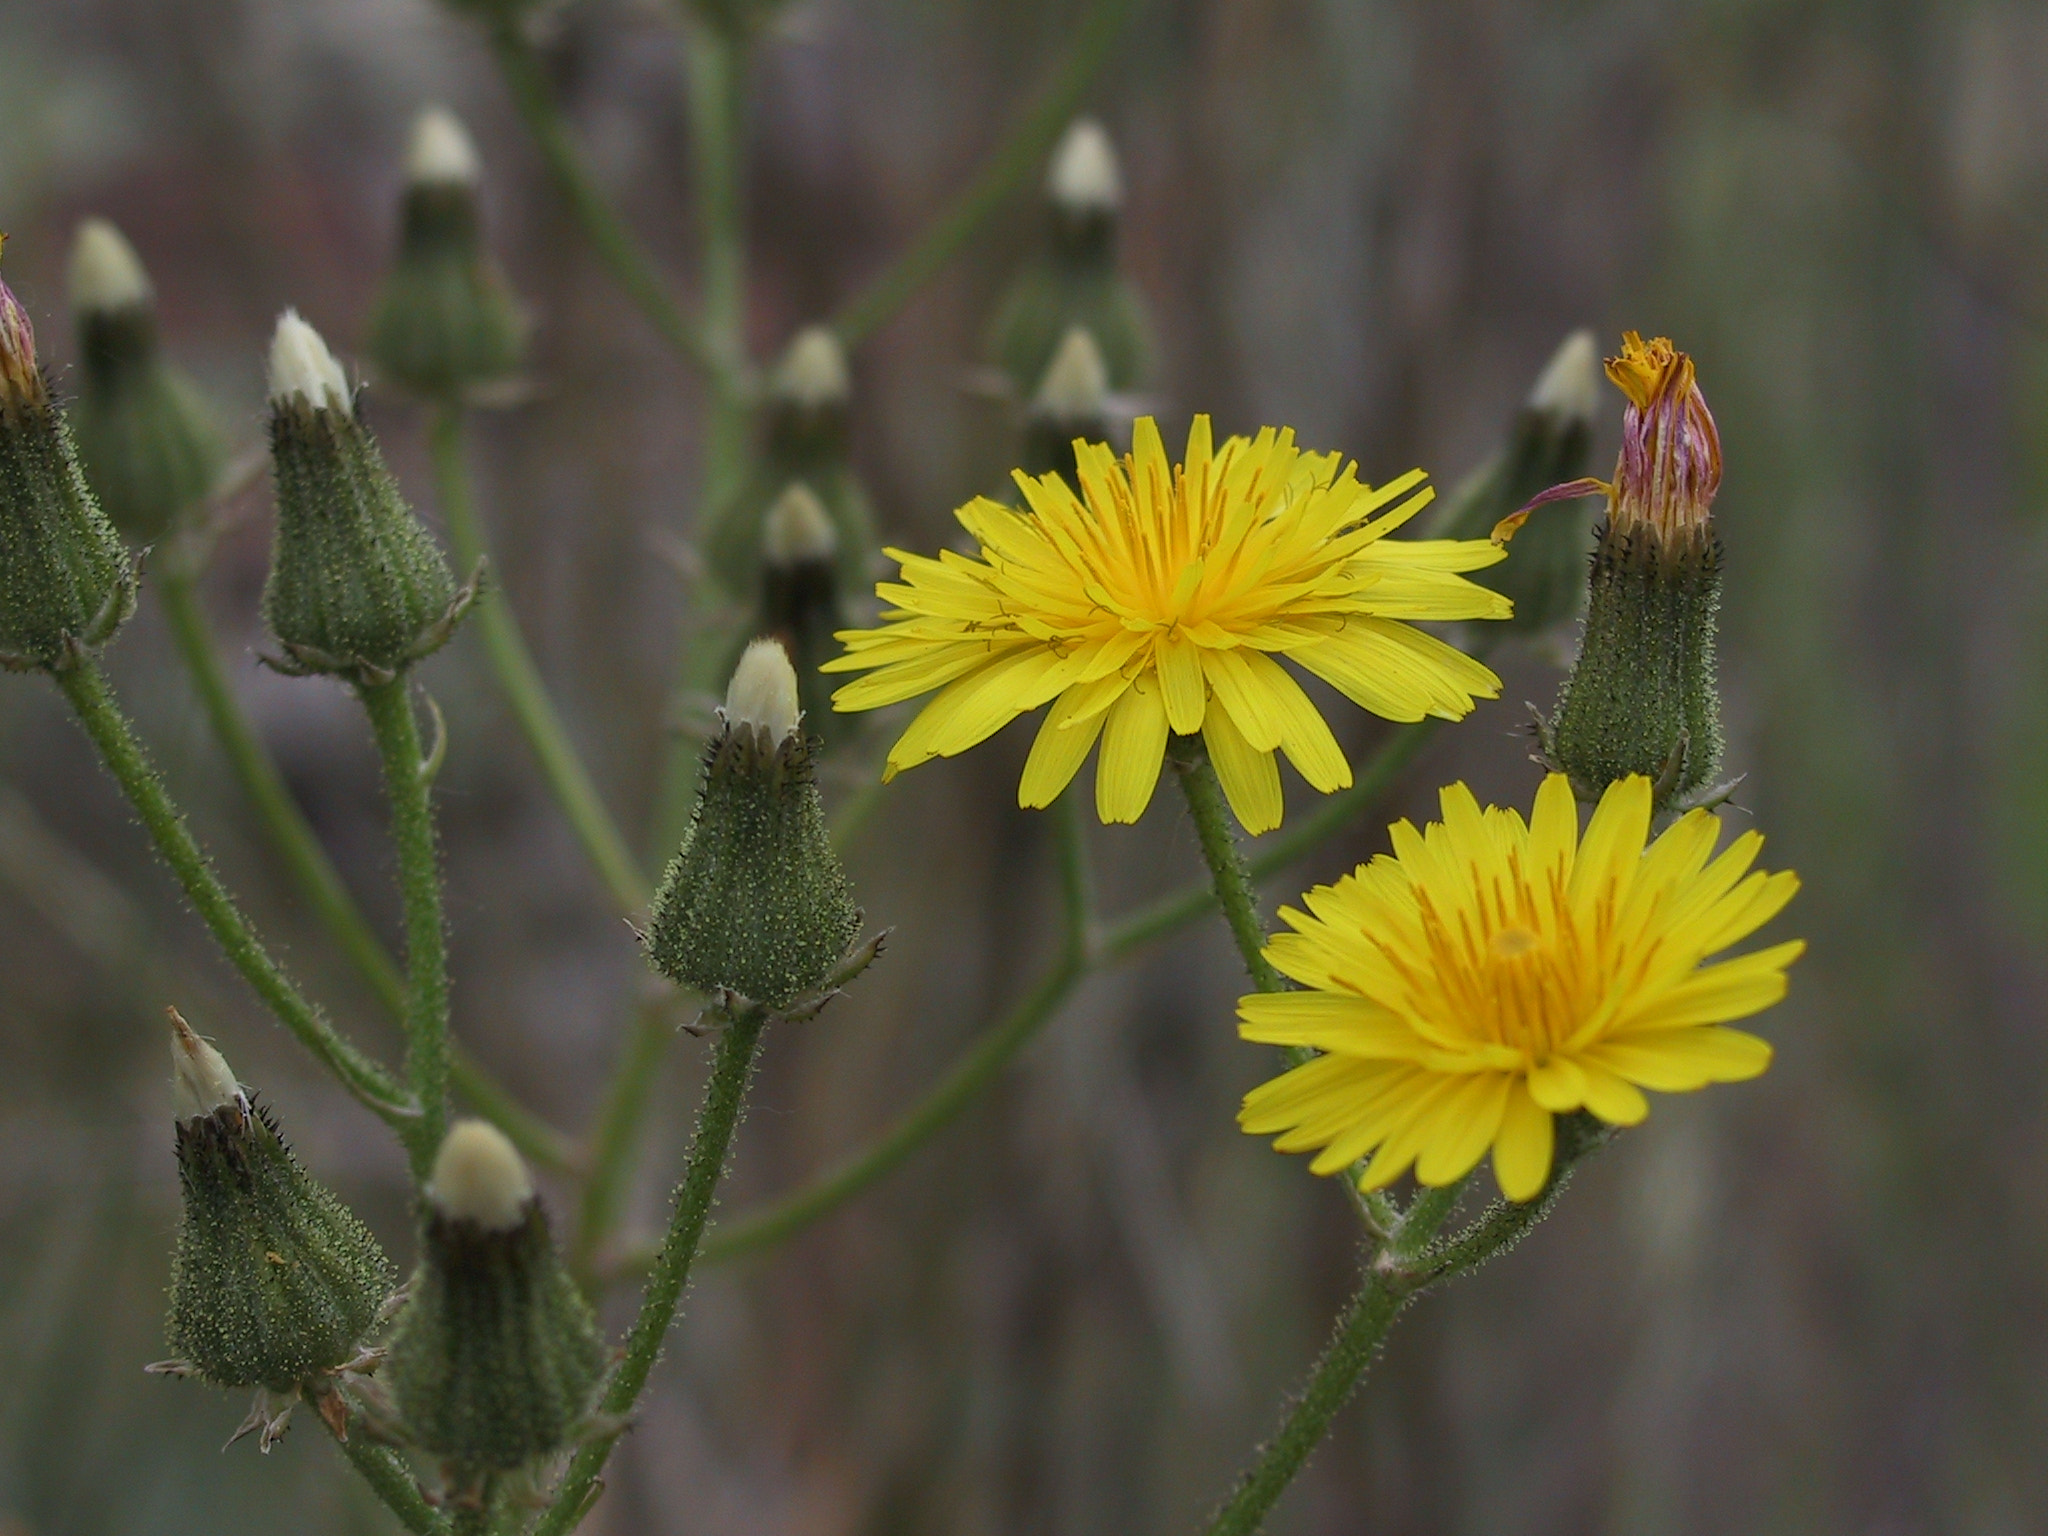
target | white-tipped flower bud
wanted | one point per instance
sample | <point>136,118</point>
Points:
<point>812,372</point>
<point>1076,382</point>
<point>1569,386</point>
<point>1085,176</point>
<point>106,274</point>
<point>479,1177</point>
<point>440,151</point>
<point>798,530</point>
<point>201,1081</point>
<point>301,365</point>
<point>763,692</point>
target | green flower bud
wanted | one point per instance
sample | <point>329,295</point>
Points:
<point>66,583</point>
<point>756,903</point>
<point>1642,697</point>
<point>1549,441</point>
<point>497,1355</point>
<point>149,446</point>
<point>1071,402</point>
<point>274,1282</point>
<point>806,421</point>
<point>446,320</point>
<point>357,587</point>
<point>1074,280</point>
<point>799,603</point>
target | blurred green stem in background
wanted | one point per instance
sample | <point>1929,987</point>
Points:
<point>314,873</point>
<point>408,782</point>
<point>519,678</point>
<point>616,1136</point>
<point>631,267</point>
<point>86,686</point>
<point>1000,175</point>
<point>989,1055</point>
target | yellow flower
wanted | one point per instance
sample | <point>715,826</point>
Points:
<point>1158,600</point>
<point>1491,973</point>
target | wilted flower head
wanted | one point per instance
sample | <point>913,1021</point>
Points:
<point>1162,598</point>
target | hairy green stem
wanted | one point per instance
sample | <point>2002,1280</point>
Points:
<point>1235,893</point>
<point>1407,1264</point>
<point>616,1137</point>
<point>731,1066</point>
<point>520,681</point>
<point>314,873</point>
<point>393,1483</point>
<point>92,697</point>
<point>533,97</point>
<point>256,772</point>
<point>999,176</point>
<point>407,786</point>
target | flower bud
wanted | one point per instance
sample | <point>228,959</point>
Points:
<point>357,587</point>
<point>446,319</point>
<point>756,903</point>
<point>497,1355</point>
<point>1549,440</point>
<point>274,1282</point>
<point>66,584</point>
<point>1074,279</point>
<point>1071,402</point>
<point>148,444</point>
<point>799,603</point>
<point>805,417</point>
<point>1642,698</point>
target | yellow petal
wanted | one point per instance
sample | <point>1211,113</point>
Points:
<point>1464,1128</point>
<point>1181,679</point>
<point>1338,1022</point>
<point>1304,734</point>
<point>1133,748</point>
<point>1056,753</point>
<point>1250,778</point>
<point>1522,1153</point>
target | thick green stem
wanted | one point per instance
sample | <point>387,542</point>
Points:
<point>407,785</point>
<point>616,1137</point>
<point>616,246</point>
<point>1000,175</point>
<point>731,1067</point>
<point>520,680</point>
<point>91,696</point>
<point>1235,893</point>
<point>392,1481</point>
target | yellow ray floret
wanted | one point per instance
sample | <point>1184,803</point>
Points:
<point>1160,599</point>
<point>1491,973</point>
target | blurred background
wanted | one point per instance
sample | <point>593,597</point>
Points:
<point>1817,1303</point>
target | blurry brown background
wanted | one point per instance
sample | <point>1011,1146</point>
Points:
<point>1811,1304</point>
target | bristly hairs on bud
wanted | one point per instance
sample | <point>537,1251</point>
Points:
<point>755,903</point>
<point>148,443</point>
<point>275,1285</point>
<point>357,587</point>
<point>66,583</point>
<point>1073,280</point>
<point>806,417</point>
<point>1643,697</point>
<point>446,323</point>
<point>1549,439</point>
<point>497,1355</point>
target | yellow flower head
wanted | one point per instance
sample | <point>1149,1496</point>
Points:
<point>1492,973</point>
<point>1158,599</point>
